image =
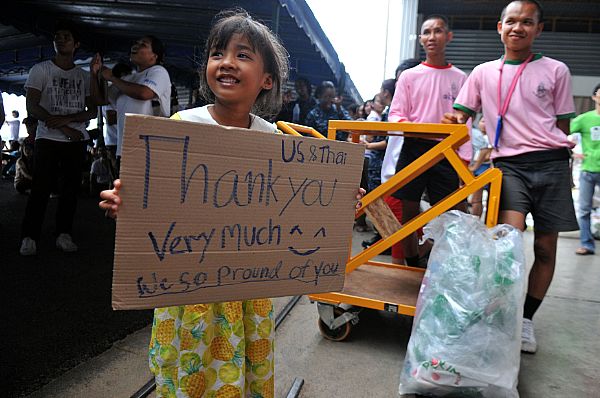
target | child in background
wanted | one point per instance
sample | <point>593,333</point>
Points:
<point>360,112</point>
<point>222,349</point>
<point>480,163</point>
<point>24,168</point>
<point>10,158</point>
<point>31,124</point>
<point>100,172</point>
<point>375,144</point>
<point>368,107</point>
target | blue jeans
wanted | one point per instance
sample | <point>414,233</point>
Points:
<point>587,183</point>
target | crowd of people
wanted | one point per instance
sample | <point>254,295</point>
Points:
<point>243,77</point>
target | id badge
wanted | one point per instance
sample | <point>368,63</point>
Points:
<point>595,131</point>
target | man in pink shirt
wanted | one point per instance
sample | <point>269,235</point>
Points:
<point>423,94</point>
<point>528,126</point>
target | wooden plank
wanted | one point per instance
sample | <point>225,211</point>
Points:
<point>384,284</point>
<point>382,217</point>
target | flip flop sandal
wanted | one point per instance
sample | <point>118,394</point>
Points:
<point>582,251</point>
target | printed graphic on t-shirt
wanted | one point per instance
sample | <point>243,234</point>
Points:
<point>149,82</point>
<point>595,132</point>
<point>541,90</point>
<point>451,96</point>
<point>67,95</point>
<point>455,88</point>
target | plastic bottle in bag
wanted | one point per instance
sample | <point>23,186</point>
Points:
<point>465,340</point>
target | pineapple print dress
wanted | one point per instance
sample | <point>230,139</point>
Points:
<point>221,350</point>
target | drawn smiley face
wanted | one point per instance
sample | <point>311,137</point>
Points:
<point>296,229</point>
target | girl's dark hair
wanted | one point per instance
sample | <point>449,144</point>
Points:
<point>158,48</point>
<point>325,84</point>
<point>275,58</point>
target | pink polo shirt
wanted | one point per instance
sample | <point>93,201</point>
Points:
<point>424,93</point>
<point>542,95</point>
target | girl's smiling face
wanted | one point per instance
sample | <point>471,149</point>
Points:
<point>236,73</point>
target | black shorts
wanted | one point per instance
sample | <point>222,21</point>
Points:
<point>539,183</point>
<point>440,180</point>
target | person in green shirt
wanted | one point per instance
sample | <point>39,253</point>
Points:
<point>588,125</point>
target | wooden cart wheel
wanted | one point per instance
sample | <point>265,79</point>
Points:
<point>338,334</point>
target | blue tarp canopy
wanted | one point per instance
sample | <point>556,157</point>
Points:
<point>110,26</point>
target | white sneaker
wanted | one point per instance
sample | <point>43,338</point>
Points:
<point>528,343</point>
<point>28,247</point>
<point>65,243</point>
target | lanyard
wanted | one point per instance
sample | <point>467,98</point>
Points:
<point>502,110</point>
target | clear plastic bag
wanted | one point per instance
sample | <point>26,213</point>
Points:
<point>466,335</point>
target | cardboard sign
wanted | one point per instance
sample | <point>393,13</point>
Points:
<point>214,214</point>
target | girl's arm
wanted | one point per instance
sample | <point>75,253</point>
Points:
<point>112,200</point>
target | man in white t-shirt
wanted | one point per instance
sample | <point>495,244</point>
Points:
<point>15,126</point>
<point>146,92</point>
<point>58,95</point>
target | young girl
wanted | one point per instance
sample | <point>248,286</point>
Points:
<point>222,349</point>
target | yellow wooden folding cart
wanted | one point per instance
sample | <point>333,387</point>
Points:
<point>385,286</point>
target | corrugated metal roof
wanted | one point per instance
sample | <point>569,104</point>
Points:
<point>110,26</point>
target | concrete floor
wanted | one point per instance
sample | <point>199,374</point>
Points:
<point>368,364</point>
